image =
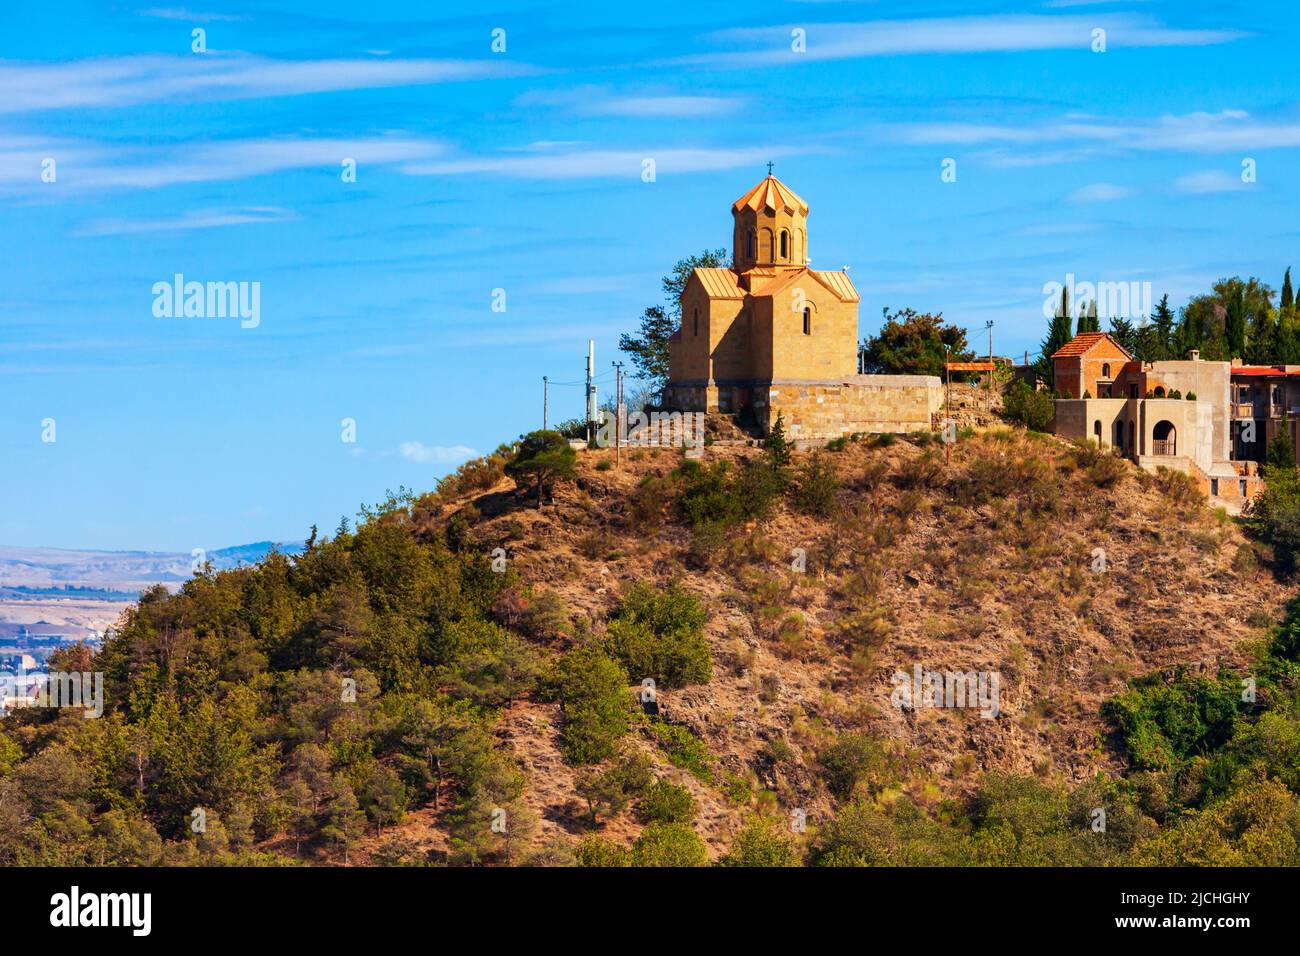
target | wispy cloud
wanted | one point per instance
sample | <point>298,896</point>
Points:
<point>187,222</point>
<point>599,101</point>
<point>190,16</point>
<point>127,81</point>
<point>1209,181</point>
<point>1085,137</point>
<point>88,165</point>
<point>568,162</point>
<point>435,454</point>
<point>1099,192</point>
<point>944,35</point>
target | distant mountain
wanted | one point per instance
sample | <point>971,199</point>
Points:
<point>118,570</point>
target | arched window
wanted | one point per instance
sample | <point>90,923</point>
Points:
<point>753,244</point>
<point>807,320</point>
<point>1159,391</point>
<point>1096,430</point>
<point>1105,371</point>
<point>785,244</point>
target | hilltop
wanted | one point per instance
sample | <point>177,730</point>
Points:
<point>466,658</point>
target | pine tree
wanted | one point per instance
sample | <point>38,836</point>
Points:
<point>1163,320</point>
<point>1234,325</point>
<point>777,445</point>
<point>1058,333</point>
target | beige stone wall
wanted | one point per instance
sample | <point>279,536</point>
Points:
<point>831,348</point>
<point>857,403</point>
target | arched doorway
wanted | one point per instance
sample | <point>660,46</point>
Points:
<point>1164,439</point>
<point>1096,431</point>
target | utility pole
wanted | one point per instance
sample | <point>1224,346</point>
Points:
<point>947,403</point>
<point>989,325</point>
<point>591,390</point>
<point>546,386</point>
<point>619,416</point>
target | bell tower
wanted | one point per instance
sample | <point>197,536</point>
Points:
<point>771,230</point>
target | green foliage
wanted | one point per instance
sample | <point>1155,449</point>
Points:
<point>912,343</point>
<point>664,802</point>
<point>595,701</point>
<point>669,844</point>
<point>853,759</point>
<point>817,486</point>
<point>1032,408</point>
<point>710,494</point>
<point>1162,724</point>
<point>544,457</point>
<point>659,633</point>
<point>599,852</point>
<point>684,750</point>
<point>760,843</point>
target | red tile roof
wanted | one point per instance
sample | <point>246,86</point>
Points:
<point>1083,343</point>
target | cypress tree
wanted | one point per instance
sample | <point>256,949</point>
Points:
<point>1058,333</point>
<point>1288,298</point>
<point>1164,329</point>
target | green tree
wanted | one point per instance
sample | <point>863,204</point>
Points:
<point>664,802</point>
<point>344,821</point>
<point>595,702</point>
<point>1163,320</point>
<point>1288,297</point>
<point>912,343</point>
<point>1058,334</point>
<point>544,457</point>
<point>761,843</point>
<point>669,844</point>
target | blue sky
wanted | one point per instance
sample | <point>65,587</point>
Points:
<point>522,171</point>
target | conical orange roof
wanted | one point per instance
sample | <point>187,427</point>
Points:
<point>772,194</point>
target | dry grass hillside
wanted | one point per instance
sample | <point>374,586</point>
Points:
<point>992,561</point>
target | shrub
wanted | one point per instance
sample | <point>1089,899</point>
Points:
<point>664,802</point>
<point>594,699</point>
<point>1028,406</point>
<point>612,788</point>
<point>669,844</point>
<point>761,843</point>
<point>659,633</point>
<point>851,759</point>
<point>684,750</point>
<point>1161,725</point>
<point>817,486</point>
<point>597,851</point>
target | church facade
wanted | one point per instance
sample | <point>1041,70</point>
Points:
<point>775,337</point>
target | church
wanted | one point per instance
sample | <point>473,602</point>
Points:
<point>771,336</point>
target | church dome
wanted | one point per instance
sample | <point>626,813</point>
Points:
<point>771,228</point>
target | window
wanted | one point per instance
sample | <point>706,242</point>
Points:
<point>753,244</point>
<point>1105,371</point>
<point>1132,390</point>
<point>1096,430</point>
<point>1242,485</point>
<point>807,320</point>
<point>1214,487</point>
<point>785,244</point>
<point>696,314</point>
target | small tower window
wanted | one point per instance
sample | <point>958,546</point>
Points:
<point>753,244</point>
<point>807,320</point>
<point>695,314</point>
<point>785,244</point>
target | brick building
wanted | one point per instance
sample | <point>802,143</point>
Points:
<point>1174,414</point>
<point>773,336</point>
